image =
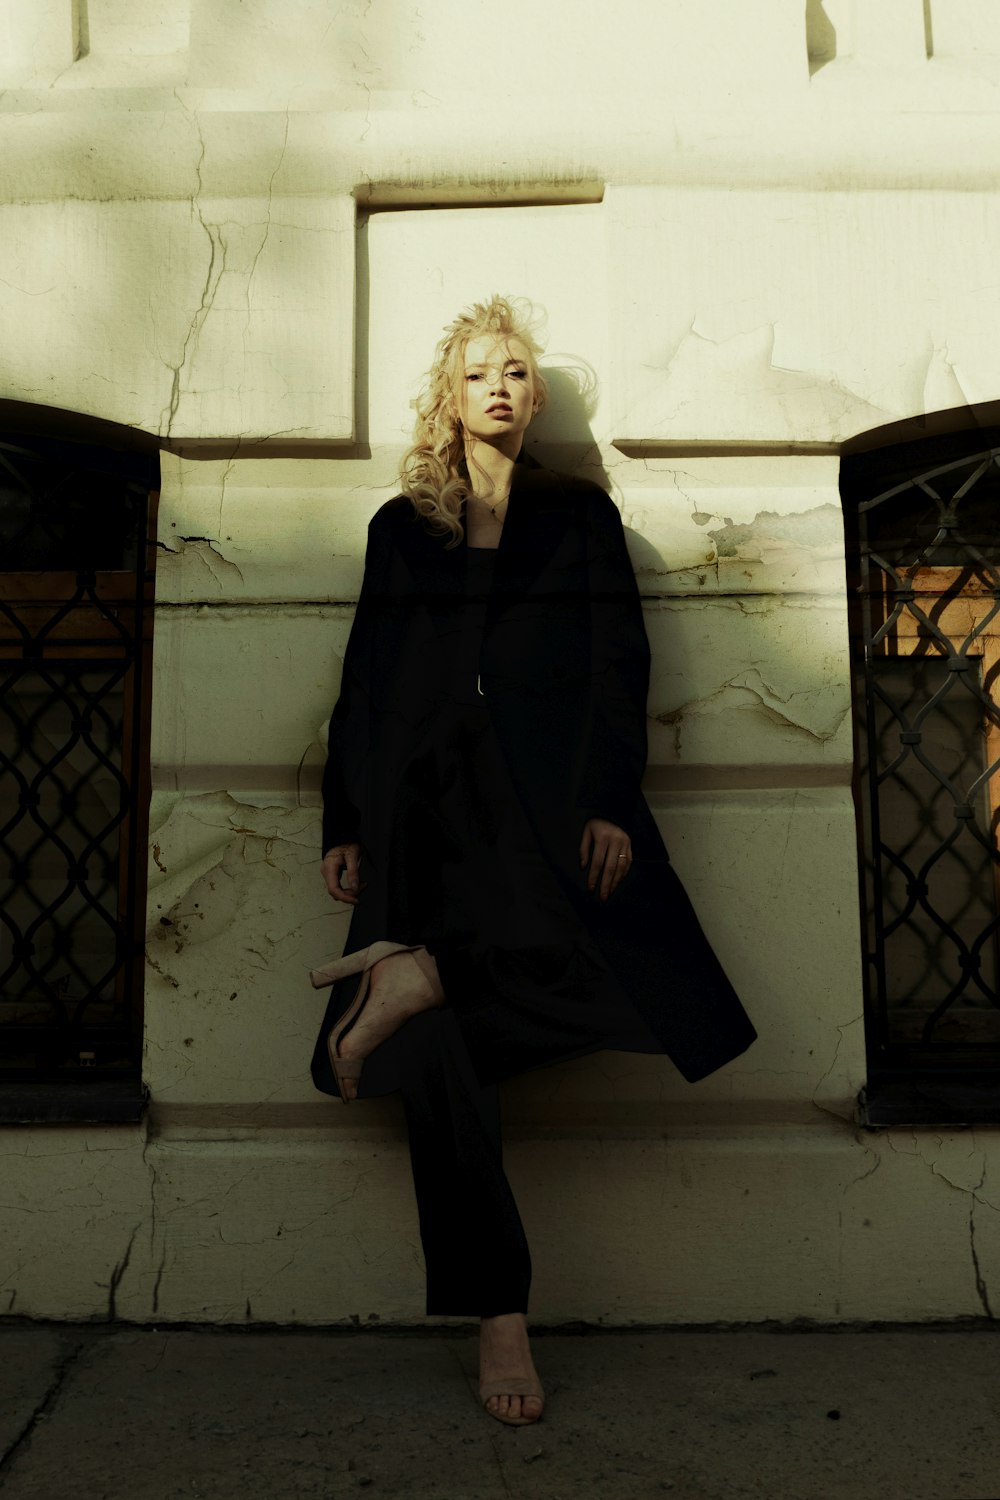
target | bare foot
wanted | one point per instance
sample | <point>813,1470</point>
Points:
<point>504,1350</point>
<point>398,989</point>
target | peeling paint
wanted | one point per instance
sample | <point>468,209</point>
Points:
<point>822,526</point>
<point>749,689</point>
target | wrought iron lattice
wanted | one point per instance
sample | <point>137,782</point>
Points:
<point>924,552</point>
<point>75,635</point>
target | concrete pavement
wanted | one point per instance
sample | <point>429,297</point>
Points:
<point>128,1412</point>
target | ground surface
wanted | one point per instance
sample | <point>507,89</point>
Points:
<point>114,1411</point>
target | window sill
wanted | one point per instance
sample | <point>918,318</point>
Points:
<point>949,1099</point>
<point>112,1101</point>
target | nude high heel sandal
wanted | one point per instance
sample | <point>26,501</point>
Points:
<point>362,962</point>
<point>354,963</point>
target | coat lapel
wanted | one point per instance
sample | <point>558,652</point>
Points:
<point>538,513</point>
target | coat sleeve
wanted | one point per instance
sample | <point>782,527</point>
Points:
<point>349,734</point>
<point>616,749</point>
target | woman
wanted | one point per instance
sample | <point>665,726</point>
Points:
<point>514,904</point>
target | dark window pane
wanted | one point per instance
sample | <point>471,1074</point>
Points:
<point>68,509</point>
<point>924,565</point>
<point>938,886</point>
<point>76,590</point>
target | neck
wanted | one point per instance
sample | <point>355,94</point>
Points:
<point>498,463</point>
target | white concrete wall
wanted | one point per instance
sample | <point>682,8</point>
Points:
<point>746,254</point>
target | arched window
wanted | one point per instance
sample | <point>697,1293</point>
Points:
<point>77,514</point>
<point>922,521</point>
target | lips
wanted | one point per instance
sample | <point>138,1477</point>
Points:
<point>497,407</point>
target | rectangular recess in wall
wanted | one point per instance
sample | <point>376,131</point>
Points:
<point>420,265</point>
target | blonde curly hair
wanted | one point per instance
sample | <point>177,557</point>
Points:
<point>434,472</point>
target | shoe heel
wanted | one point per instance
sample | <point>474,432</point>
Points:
<point>348,1067</point>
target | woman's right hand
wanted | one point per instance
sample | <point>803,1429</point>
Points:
<point>343,859</point>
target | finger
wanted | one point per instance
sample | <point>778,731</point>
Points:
<point>352,897</point>
<point>614,872</point>
<point>351,879</point>
<point>622,867</point>
<point>597,862</point>
<point>332,867</point>
<point>585,843</point>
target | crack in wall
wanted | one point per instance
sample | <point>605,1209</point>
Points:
<point>870,1151</point>
<point>837,1114</point>
<point>209,289</point>
<point>206,550</point>
<point>150,1166</point>
<point>117,1272</point>
<point>769,703</point>
<point>981,1291</point>
<point>267,225</point>
<point>974,1191</point>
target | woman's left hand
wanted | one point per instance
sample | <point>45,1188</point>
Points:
<point>604,844</point>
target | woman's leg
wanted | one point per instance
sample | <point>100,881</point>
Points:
<point>475,1249</point>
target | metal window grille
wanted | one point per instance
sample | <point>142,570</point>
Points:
<point>76,599</point>
<point>923,543</point>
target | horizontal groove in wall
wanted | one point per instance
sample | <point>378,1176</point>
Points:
<point>376,197</point>
<point>227,450</point>
<point>216,449</point>
<point>716,448</point>
<point>244,606</point>
<point>194,1124</point>
<point>659,780</point>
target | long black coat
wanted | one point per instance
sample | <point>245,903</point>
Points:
<point>564,669</point>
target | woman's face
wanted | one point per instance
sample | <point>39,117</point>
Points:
<point>497,398</point>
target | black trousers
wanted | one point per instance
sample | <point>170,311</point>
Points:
<point>475,1249</point>
<point>447,1066</point>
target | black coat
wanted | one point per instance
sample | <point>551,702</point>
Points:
<point>564,668</point>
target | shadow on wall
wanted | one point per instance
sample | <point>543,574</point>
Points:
<point>821,36</point>
<point>562,436</point>
<point>952,421</point>
<point>822,42</point>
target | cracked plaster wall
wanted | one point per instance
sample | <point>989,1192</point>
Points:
<point>317,1227</point>
<point>193,318</point>
<point>249,600</point>
<point>799,315</point>
<point>178,252</point>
